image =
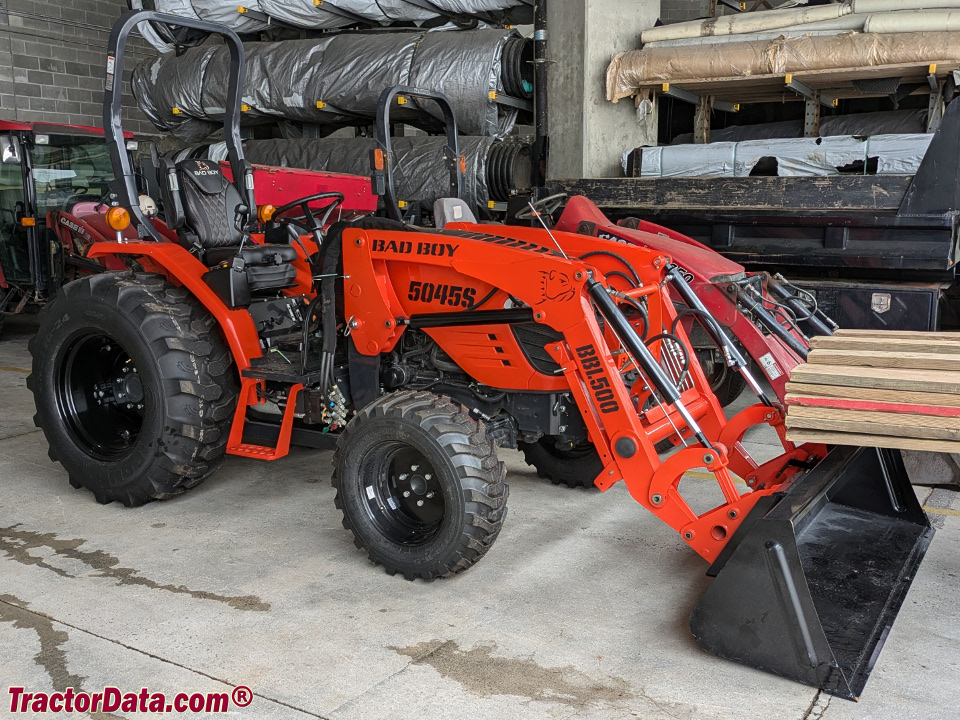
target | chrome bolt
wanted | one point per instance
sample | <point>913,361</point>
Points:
<point>135,370</point>
<point>406,493</point>
<point>126,369</point>
<point>100,394</point>
<point>431,495</point>
<point>129,406</point>
<point>562,428</point>
<point>708,458</point>
<point>419,503</point>
<point>140,406</point>
<point>656,499</point>
<point>556,348</point>
<point>388,323</point>
<point>751,481</point>
<point>414,468</point>
<point>732,514</point>
<point>107,348</point>
<point>688,535</point>
<point>354,324</point>
<point>610,472</point>
<point>404,476</point>
<point>428,476</point>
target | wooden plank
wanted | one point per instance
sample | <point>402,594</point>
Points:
<point>878,344</point>
<point>858,440</point>
<point>874,423</point>
<point>784,194</point>
<point>880,378</point>
<point>872,394</point>
<point>881,359</point>
<point>904,334</point>
<point>871,405</point>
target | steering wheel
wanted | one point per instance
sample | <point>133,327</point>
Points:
<point>310,222</point>
<point>543,206</point>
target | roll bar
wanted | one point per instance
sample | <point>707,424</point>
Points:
<point>124,186</point>
<point>382,159</point>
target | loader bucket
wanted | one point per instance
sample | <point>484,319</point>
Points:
<point>810,584</point>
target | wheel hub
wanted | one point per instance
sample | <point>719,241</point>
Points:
<point>100,395</point>
<point>405,498</point>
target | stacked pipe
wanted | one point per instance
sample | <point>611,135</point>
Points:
<point>256,15</point>
<point>857,33</point>
<point>494,171</point>
<point>867,16</point>
<point>337,80</point>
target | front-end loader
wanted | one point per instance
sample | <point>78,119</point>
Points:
<point>419,353</point>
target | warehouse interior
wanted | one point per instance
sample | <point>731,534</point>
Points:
<point>480,358</point>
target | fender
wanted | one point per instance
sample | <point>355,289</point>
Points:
<point>184,269</point>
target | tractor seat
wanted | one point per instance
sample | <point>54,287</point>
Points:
<point>202,206</point>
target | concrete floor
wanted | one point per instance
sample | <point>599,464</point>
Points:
<point>579,610</point>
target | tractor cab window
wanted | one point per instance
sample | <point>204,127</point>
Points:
<point>68,170</point>
<point>14,248</point>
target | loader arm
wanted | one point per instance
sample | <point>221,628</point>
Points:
<point>551,287</point>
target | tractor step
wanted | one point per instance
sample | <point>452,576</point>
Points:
<point>282,367</point>
<point>249,398</point>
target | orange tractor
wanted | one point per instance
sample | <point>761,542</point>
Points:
<point>419,353</point>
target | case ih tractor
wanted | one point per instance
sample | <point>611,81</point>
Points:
<point>51,181</point>
<point>419,354</point>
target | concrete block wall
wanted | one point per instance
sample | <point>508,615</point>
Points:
<point>52,58</point>
<point>672,11</point>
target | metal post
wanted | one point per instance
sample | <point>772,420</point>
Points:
<point>542,129</point>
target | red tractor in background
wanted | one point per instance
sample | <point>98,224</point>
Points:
<point>53,185</point>
<point>418,353</point>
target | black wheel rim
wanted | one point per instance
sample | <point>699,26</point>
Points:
<point>403,493</point>
<point>100,396</point>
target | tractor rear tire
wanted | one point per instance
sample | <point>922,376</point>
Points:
<point>134,387</point>
<point>420,485</point>
<point>576,467</point>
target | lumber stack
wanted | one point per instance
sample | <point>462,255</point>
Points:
<point>878,388</point>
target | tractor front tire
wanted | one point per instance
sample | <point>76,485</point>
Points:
<point>574,467</point>
<point>134,387</point>
<point>420,485</point>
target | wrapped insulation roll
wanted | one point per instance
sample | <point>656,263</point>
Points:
<point>337,80</point>
<point>495,169</point>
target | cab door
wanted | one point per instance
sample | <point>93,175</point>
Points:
<point>18,241</point>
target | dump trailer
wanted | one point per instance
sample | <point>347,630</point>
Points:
<point>414,354</point>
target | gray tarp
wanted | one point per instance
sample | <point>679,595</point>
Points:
<point>796,157</point>
<point>420,171</point>
<point>307,14</point>
<point>891,122</point>
<point>285,80</point>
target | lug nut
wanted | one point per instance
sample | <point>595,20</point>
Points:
<point>419,503</point>
<point>430,495</point>
<point>403,476</point>
<point>406,493</point>
<point>414,468</point>
<point>126,369</point>
<point>428,476</point>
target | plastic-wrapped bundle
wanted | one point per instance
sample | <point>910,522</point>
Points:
<point>327,15</point>
<point>420,171</point>
<point>332,81</point>
<point>494,168</point>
